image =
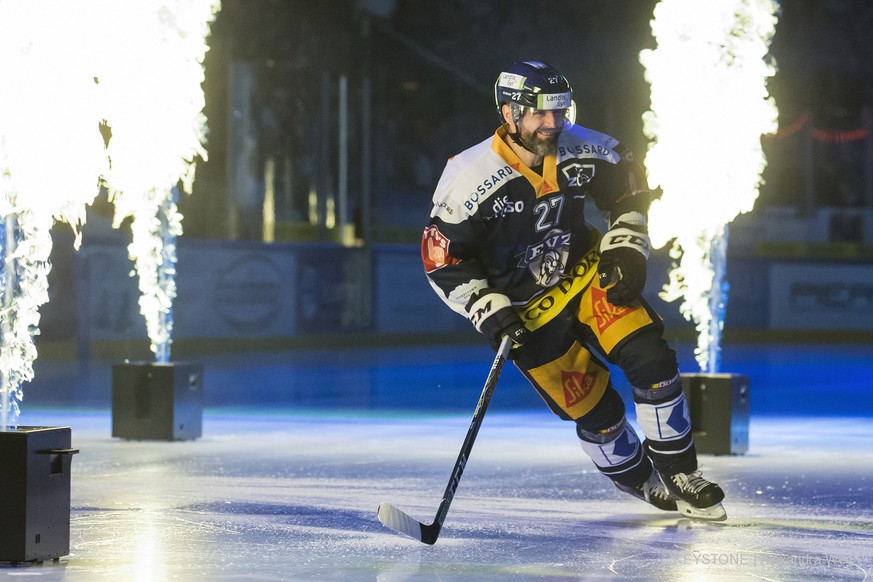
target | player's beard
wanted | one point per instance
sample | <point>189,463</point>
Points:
<point>540,145</point>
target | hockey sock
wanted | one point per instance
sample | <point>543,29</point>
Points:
<point>618,454</point>
<point>667,426</point>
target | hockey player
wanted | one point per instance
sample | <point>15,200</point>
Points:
<point>508,247</point>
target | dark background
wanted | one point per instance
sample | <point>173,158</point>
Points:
<point>431,68</point>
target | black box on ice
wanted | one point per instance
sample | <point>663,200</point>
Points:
<point>35,492</point>
<point>719,407</point>
<point>153,401</point>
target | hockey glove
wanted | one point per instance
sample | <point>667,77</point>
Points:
<point>505,321</point>
<point>623,254</point>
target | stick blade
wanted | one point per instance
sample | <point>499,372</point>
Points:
<point>401,522</point>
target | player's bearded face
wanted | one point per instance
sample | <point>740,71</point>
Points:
<point>539,131</point>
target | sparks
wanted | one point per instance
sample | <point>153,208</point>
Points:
<point>51,156</point>
<point>150,81</point>
<point>709,107</point>
<point>67,68</point>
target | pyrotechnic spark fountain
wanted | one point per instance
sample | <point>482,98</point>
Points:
<point>153,105</point>
<point>709,107</point>
<point>136,65</point>
<point>51,155</point>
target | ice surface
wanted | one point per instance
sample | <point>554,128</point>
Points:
<point>276,495</point>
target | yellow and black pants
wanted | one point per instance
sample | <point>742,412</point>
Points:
<point>573,332</point>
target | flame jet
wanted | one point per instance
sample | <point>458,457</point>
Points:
<point>51,157</point>
<point>709,108</point>
<point>68,68</point>
<point>150,76</point>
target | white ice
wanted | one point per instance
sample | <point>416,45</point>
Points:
<point>276,495</point>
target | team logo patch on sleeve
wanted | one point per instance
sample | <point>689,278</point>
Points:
<point>435,250</point>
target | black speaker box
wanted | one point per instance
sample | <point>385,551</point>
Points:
<point>35,493</point>
<point>154,401</point>
<point>719,407</point>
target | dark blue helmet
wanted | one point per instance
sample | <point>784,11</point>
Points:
<point>533,84</point>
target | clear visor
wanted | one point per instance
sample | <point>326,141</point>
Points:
<point>570,113</point>
<point>568,106</point>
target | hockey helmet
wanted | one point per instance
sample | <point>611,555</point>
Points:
<point>535,85</point>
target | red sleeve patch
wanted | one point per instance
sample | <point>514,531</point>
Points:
<point>435,250</point>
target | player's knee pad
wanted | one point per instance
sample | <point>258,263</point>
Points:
<point>601,436</point>
<point>661,391</point>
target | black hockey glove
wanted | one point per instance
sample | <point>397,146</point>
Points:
<point>623,254</point>
<point>505,321</point>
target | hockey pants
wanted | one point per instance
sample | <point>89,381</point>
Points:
<point>564,359</point>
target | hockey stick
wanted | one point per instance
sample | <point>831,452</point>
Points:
<point>402,522</point>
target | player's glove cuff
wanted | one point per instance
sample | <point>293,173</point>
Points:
<point>505,322</point>
<point>623,253</point>
<point>485,307</point>
<point>625,236</point>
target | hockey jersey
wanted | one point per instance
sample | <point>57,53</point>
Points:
<point>502,234</point>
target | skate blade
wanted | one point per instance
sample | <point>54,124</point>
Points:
<point>713,513</point>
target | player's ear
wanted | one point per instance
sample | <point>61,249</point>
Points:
<point>506,114</point>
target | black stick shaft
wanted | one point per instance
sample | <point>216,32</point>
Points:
<point>429,533</point>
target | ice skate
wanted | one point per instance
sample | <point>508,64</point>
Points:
<point>652,491</point>
<point>696,497</point>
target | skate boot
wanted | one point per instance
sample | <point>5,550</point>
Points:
<point>696,497</point>
<point>651,491</point>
